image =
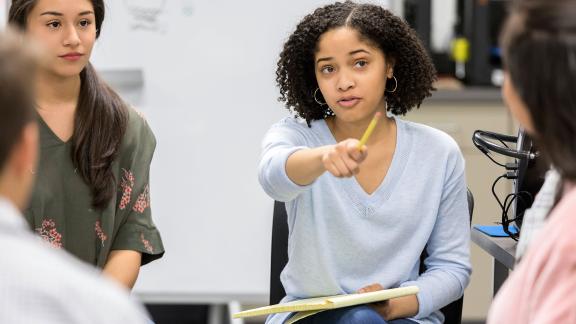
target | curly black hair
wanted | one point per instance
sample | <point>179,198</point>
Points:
<point>413,67</point>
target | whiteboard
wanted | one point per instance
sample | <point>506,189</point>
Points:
<point>209,95</point>
<point>3,13</point>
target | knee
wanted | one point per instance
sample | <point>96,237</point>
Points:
<point>363,315</point>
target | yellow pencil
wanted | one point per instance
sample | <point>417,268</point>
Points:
<point>369,130</point>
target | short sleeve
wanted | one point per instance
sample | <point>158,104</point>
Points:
<point>137,231</point>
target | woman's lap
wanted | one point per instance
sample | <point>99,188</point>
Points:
<point>351,315</point>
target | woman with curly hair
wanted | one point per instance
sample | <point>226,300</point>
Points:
<point>360,217</point>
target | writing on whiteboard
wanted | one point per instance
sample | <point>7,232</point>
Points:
<point>146,15</point>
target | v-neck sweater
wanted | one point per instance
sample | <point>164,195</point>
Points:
<point>342,238</point>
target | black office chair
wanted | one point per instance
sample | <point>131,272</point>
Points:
<point>452,312</point>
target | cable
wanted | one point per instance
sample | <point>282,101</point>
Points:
<point>498,163</point>
<point>506,221</point>
<point>523,197</point>
<point>508,202</point>
<point>494,191</point>
<point>503,143</point>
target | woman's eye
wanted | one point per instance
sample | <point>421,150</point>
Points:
<point>85,23</point>
<point>327,69</point>
<point>53,24</point>
<point>361,63</point>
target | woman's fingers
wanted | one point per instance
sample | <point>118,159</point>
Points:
<point>344,158</point>
<point>372,287</point>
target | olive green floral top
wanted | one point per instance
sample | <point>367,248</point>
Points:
<point>61,207</point>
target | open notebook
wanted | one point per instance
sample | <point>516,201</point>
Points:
<point>311,306</point>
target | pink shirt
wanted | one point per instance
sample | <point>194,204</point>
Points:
<point>542,288</point>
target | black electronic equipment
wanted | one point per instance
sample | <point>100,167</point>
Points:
<point>527,172</point>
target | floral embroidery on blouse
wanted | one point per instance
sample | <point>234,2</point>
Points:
<point>100,232</point>
<point>143,201</point>
<point>146,243</point>
<point>126,184</point>
<point>49,233</point>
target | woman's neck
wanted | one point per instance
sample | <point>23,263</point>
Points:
<point>343,130</point>
<point>568,186</point>
<point>54,92</point>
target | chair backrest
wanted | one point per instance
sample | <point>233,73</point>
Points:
<point>279,256</point>
<point>452,312</point>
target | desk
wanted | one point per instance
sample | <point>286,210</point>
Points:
<point>503,249</point>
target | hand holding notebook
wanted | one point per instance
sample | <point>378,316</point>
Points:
<point>311,306</point>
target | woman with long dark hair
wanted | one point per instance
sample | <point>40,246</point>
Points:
<point>539,47</point>
<point>92,194</point>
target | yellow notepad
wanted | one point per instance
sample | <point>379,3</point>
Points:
<point>311,306</point>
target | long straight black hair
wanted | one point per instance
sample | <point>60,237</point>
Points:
<point>539,49</point>
<point>99,123</point>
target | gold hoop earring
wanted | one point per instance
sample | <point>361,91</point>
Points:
<point>395,85</point>
<point>315,99</point>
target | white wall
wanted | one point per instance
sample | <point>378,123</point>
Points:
<point>209,94</point>
<point>3,12</point>
<point>443,21</point>
<point>208,75</point>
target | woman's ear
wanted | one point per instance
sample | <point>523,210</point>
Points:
<point>390,61</point>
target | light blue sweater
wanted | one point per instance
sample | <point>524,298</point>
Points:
<point>342,239</point>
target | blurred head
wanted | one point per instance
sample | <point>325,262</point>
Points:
<point>18,131</point>
<point>67,29</point>
<point>364,46</point>
<point>539,50</point>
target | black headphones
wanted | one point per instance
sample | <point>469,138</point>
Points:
<point>526,156</point>
<point>480,140</point>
